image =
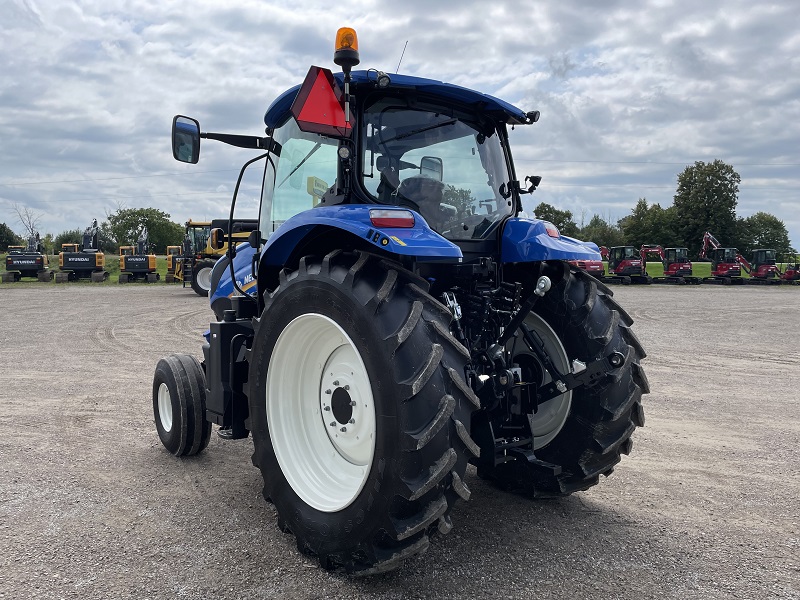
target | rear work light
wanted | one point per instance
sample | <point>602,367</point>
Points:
<point>391,218</point>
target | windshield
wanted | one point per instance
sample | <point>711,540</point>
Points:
<point>681,254</point>
<point>199,236</point>
<point>449,169</point>
<point>296,180</point>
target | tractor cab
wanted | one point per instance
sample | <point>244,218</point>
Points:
<point>16,249</point>
<point>69,247</point>
<point>127,250</point>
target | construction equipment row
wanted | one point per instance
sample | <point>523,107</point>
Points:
<point>192,263</point>
<point>627,265</point>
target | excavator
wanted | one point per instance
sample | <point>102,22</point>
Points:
<point>763,268</point>
<point>727,264</point>
<point>86,262</point>
<point>625,266</point>
<point>791,269</point>
<point>137,262</point>
<point>27,262</point>
<point>677,266</point>
<point>594,268</point>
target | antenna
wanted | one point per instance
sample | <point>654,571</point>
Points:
<point>402,54</point>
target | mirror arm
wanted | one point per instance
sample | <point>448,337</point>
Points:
<point>245,141</point>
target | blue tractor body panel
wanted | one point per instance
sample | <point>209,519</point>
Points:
<point>221,282</point>
<point>419,241</point>
<point>527,240</point>
<point>523,240</point>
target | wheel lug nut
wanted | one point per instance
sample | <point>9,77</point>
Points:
<point>352,402</point>
<point>352,421</point>
<point>327,391</point>
<point>343,429</point>
<point>333,423</point>
<point>336,382</point>
<point>327,408</point>
<point>347,387</point>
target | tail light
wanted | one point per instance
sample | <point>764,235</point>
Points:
<point>384,218</point>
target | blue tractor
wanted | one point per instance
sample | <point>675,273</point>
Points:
<point>396,318</point>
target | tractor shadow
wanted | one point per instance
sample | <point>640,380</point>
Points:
<point>512,546</point>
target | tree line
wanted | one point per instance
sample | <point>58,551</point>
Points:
<point>705,200</point>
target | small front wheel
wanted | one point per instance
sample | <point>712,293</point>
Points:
<point>179,405</point>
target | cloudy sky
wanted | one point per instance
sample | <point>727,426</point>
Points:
<point>629,97</point>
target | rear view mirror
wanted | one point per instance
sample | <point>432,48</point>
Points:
<point>185,139</point>
<point>431,166</point>
<point>216,239</point>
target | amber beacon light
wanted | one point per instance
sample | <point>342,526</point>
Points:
<point>346,52</point>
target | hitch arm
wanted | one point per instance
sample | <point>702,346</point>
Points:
<point>581,375</point>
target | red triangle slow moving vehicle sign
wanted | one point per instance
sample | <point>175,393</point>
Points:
<point>319,105</point>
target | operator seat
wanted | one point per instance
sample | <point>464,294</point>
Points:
<point>424,195</point>
<point>389,181</point>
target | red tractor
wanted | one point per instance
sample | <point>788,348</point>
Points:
<point>625,265</point>
<point>677,266</point>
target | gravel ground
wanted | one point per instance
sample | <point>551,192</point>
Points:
<point>92,506</point>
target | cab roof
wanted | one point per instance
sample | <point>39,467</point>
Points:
<point>279,110</point>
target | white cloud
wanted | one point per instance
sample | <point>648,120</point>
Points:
<point>629,95</point>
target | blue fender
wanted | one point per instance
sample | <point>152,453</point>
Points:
<point>221,282</point>
<point>419,241</point>
<point>527,240</point>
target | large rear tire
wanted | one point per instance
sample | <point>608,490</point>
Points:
<point>586,430</point>
<point>359,411</point>
<point>179,405</point>
<point>201,277</point>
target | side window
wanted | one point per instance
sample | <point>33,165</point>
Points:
<point>305,169</point>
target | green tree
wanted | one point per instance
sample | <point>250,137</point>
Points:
<point>560,218</point>
<point>763,230</point>
<point>125,225</point>
<point>48,243</point>
<point>706,201</point>
<point>602,233</point>
<point>71,236</point>
<point>651,225</point>
<point>8,237</point>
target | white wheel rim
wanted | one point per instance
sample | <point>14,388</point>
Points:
<point>164,407</point>
<point>321,412</point>
<point>548,420</point>
<point>203,277</point>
